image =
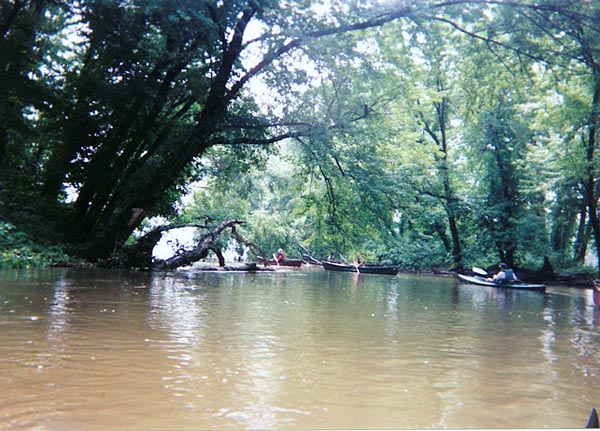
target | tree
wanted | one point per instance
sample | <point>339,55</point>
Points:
<point>114,123</point>
<point>29,33</point>
<point>564,38</point>
<point>430,104</point>
<point>150,87</point>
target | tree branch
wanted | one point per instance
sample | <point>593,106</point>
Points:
<point>200,251</point>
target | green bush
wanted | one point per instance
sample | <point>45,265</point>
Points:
<point>18,250</point>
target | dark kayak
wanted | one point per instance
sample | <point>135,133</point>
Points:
<point>362,269</point>
<point>514,285</point>
<point>297,263</point>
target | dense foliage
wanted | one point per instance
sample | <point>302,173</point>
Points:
<point>19,250</point>
<point>424,133</point>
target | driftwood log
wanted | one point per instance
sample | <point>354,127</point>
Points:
<point>139,255</point>
<point>200,250</point>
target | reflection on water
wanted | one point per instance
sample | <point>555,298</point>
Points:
<point>292,349</point>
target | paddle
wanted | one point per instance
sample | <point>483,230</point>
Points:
<point>479,271</point>
<point>356,266</point>
<point>276,259</point>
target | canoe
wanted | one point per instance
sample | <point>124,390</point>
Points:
<point>297,263</point>
<point>363,269</point>
<point>597,292</point>
<point>518,285</point>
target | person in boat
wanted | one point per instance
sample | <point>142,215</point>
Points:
<point>280,255</point>
<point>505,275</point>
<point>358,262</point>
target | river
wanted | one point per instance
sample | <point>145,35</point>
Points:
<point>291,349</point>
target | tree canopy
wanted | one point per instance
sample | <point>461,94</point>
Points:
<point>427,133</point>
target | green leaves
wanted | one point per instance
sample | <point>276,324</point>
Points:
<point>446,126</point>
<point>19,250</point>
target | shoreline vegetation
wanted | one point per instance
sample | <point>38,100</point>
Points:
<point>421,134</point>
<point>17,251</point>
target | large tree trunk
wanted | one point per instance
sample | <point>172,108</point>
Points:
<point>138,193</point>
<point>590,183</point>
<point>449,200</point>
<point>583,236</point>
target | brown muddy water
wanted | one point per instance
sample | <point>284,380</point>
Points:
<point>291,349</point>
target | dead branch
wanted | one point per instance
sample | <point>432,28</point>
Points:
<point>200,251</point>
<point>249,244</point>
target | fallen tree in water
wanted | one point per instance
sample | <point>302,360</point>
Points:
<point>139,255</point>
